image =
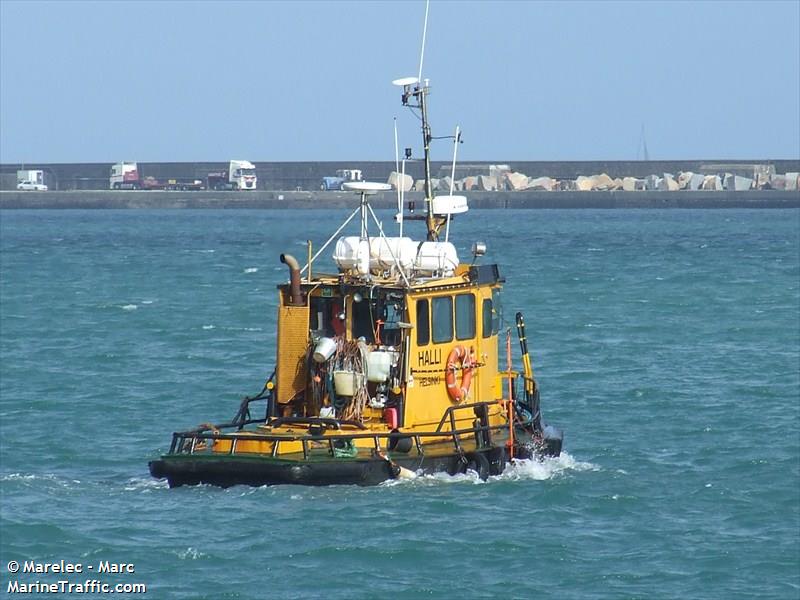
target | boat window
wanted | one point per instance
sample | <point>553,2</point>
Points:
<point>497,310</point>
<point>423,323</point>
<point>487,317</point>
<point>442,318</point>
<point>465,316</point>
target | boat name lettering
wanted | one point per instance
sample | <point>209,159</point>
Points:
<point>429,357</point>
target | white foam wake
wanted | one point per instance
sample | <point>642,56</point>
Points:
<point>517,470</point>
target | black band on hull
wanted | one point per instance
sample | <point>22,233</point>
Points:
<point>226,471</point>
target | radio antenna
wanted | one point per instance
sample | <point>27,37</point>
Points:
<point>397,171</point>
<point>424,35</point>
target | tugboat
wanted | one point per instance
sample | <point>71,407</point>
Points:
<point>389,368</point>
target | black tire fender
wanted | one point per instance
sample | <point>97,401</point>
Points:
<point>477,461</point>
<point>499,462</point>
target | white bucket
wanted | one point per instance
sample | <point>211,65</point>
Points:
<point>347,382</point>
<point>324,349</point>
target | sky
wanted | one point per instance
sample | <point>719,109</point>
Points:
<point>308,81</point>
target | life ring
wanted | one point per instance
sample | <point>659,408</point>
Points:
<point>458,357</point>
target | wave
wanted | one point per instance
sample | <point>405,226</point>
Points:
<point>517,470</point>
<point>53,481</point>
<point>190,554</point>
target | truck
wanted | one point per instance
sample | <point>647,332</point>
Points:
<point>31,180</point>
<point>126,176</point>
<point>342,176</point>
<point>241,175</point>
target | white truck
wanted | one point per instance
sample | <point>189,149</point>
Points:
<point>31,180</point>
<point>241,175</point>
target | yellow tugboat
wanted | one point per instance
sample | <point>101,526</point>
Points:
<point>391,367</point>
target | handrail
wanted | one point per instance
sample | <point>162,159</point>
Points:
<point>180,438</point>
<point>448,413</point>
<point>337,423</point>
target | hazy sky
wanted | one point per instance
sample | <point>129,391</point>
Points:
<point>287,81</point>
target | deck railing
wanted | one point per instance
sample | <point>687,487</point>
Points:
<point>191,442</point>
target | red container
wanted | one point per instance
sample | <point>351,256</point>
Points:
<point>390,416</point>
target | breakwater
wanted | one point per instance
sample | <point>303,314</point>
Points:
<point>262,199</point>
<point>276,176</point>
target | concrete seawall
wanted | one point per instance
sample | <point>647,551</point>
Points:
<point>88,199</point>
<point>276,176</point>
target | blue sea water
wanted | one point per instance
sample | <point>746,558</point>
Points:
<point>666,344</point>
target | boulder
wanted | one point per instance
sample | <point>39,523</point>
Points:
<point>469,183</point>
<point>792,181</point>
<point>668,183</point>
<point>583,184</point>
<point>487,183</point>
<point>629,184</point>
<point>602,182</point>
<point>735,183</point>
<point>683,179</point>
<point>696,182</point>
<point>395,181</point>
<point>444,184</point>
<point>712,182</point>
<point>516,181</point>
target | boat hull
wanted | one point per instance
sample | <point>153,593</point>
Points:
<point>257,470</point>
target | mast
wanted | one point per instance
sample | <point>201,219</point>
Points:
<point>430,220</point>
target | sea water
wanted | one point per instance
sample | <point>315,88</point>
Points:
<point>666,345</point>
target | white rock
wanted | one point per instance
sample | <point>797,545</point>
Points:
<point>684,178</point>
<point>668,183</point>
<point>602,182</point>
<point>395,178</point>
<point>629,184</point>
<point>584,184</point>
<point>516,181</point>
<point>712,182</point>
<point>487,183</point>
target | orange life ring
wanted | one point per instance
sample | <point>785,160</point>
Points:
<point>459,357</point>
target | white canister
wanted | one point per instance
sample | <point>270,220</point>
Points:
<point>347,383</point>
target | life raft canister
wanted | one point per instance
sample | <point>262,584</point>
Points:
<point>459,357</point>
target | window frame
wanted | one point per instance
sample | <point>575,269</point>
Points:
<point>427,322</point>
<point>471,316</point>
<point>451,325</point>
<point>487,327</point>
